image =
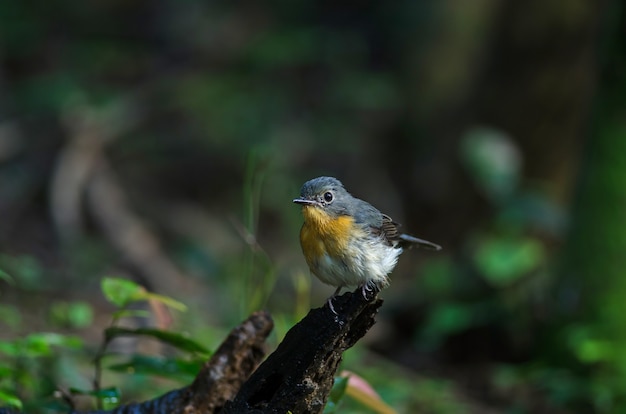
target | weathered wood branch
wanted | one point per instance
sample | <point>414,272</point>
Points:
<point>297,377</point>
<point>219,379</point>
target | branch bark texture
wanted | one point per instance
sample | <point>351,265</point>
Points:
<point>299,375</point>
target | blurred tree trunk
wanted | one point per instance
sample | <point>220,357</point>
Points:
<point>593,280</point>
<point>596,256</point>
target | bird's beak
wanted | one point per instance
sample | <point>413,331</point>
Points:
<point>304,201</point>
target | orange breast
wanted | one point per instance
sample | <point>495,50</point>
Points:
<point>322,234</point>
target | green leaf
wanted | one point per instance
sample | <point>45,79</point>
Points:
<point>6,277</point>
<point>172,368</point>
<point>121,292</point>
<point>10,399</point>
<point>166,300</point>
<point>124,313</point>
<point>36,345</point>
<point>40,344</point>
<point>171,338</point>
<point>71,314</point>
<point>336,394</point>
<point>502,261</point>
<point>9,348</point>
<point>5,371</point>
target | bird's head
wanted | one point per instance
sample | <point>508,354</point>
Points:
<point>324,196</point>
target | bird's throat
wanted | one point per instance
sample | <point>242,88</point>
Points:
<point>322,233</point>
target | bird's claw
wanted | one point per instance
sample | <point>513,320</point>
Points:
<point>368,291</point>
<point>330,305</point>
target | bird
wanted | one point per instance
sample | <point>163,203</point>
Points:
<point>348,242</point>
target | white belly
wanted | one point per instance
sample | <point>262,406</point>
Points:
<point>360,266</point>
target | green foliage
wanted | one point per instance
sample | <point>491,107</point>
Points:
<point>170,338</point>
<point>180,369</point>
<point>291,90</point>
<point>503,260</point>
<point>594,259</point>
<point>10,399</point>
<point>37,345</point>
<point>24,362</point>
<point>26,359</point>
<point>122,293</point>
<point>259,273</point>
<point>71,314</point>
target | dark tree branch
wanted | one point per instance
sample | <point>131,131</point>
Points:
<point>299,375</point>
<point>219,379</point>
<point>296,378</point>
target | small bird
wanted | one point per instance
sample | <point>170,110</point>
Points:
<point>346,241</point>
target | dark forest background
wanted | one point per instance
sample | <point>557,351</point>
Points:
<point>163,142</point>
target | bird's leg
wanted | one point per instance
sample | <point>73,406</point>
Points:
<point>330,300</point>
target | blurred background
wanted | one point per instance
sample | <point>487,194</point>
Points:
<point>163,142</point>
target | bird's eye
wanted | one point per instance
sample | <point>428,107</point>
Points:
<point>328,196</point>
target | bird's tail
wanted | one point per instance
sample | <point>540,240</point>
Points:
<point>409,241</point>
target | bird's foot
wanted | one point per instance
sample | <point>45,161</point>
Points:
<point>369,290</point>
<point>330,301</point>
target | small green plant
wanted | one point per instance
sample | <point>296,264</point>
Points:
<point>125,294</point>
<point>259,273</point>
<point>25,362</point>
<point>26,372</point>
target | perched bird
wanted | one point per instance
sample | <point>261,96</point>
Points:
<point>346,241</point>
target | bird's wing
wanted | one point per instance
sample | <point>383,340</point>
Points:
<point>391,233</point>
<point>389,230</point>
<point>386,228</point>
<point>381,224</point>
